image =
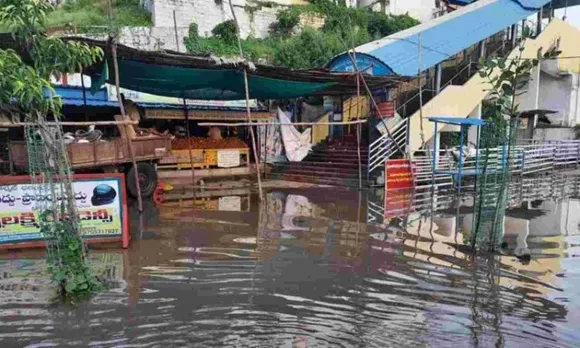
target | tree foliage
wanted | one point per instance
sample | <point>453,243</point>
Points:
<point>26,89</point>
<point>26,85</point>
<point>294,47</point>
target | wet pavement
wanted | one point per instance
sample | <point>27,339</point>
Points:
<point>316,268</point>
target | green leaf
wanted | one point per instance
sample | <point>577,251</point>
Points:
<point>507,90</point>
<point>70,287</point>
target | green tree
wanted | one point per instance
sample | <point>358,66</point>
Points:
<point>22,91</point>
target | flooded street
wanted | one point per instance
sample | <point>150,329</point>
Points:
<point>315,268</point>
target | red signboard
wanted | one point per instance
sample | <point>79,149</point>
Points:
<point>100,199</point>
<point>386,109</point>
<point>398,174</point>
<point>398,187</point>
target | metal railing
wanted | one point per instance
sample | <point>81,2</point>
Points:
<point>387,145</point>
<point>537,157</point>
<point>520,189</point>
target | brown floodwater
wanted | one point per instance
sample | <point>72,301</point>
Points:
<point>312,268</point>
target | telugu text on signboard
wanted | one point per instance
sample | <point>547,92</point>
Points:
<point>99,203</point>
<point>399,182</point>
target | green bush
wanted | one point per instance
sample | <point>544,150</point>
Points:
<point>287,22</point>
<point>226,31</point>
<point>83,14</point>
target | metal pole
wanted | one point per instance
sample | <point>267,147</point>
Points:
<point>460,167</point>
<point>438,72</point>
<point>84,97</point>
<point>434,164</point>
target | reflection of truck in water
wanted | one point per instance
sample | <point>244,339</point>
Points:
<point>108,156</point>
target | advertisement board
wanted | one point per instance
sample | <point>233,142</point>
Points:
<point>386,109</point>
<point>101,203</point>
<point>398,174</point>
<point>399,182</point>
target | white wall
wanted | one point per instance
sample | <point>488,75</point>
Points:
<point>555,95</point>
<point>209,13</point>
<point>546,134</point>
<point>419,9</point>
<point>149,38</point>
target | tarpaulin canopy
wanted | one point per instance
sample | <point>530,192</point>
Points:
<point>188,76</point>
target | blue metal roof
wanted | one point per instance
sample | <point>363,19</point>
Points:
<point>73,96</point>
<point>440,38</point>
<point>80,102</point>
<point>194,107</point>
<point>458,121</point>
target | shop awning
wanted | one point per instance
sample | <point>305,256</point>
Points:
<point>188,76</point>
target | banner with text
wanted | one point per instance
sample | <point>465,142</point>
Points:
<point>100,204</point>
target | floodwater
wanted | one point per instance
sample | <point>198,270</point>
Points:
<point>315,268</point>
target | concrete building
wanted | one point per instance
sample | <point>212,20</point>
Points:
<point>555,86</point>
<point>423,10</point>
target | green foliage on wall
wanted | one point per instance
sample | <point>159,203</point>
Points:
<point>84,14</point>
<point>293,47</point>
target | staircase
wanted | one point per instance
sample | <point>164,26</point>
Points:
<point>332,163</point>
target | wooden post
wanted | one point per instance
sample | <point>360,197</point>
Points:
<point>248,110</point>
<point>175,30</point>
<point>130,141</point>
<point>265,151</point>
<point>358,135</point>
<point>186,111</point>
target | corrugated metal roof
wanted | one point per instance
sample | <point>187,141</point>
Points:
<point>445,36</point>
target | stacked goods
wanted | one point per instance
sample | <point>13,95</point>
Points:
<point>207,143</point>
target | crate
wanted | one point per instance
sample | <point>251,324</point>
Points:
<point>208,158</point>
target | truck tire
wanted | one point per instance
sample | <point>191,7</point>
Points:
<point>147,180</point>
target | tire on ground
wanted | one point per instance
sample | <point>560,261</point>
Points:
<point>148,179</point>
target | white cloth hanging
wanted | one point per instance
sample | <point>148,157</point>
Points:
<point>297,145</point>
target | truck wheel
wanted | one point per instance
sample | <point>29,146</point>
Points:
<point>147,180</point>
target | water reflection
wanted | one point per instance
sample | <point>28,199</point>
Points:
<point>300,269</point>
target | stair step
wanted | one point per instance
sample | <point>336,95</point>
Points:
<point>351,174</point>
<point>319,165</point>
<point>320,181</point>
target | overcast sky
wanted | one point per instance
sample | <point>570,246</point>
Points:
<point>573,15</point>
